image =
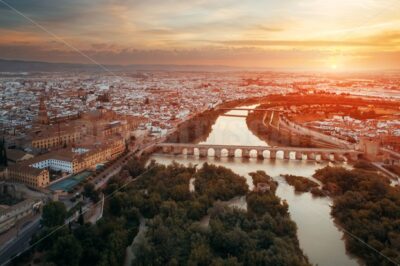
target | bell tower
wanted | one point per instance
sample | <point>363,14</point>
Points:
<point>43,118</point>
<point>370,147</point>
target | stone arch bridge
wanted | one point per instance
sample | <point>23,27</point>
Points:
<point>262,152</point>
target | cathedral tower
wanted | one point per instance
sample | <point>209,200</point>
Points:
<point>43,118</point>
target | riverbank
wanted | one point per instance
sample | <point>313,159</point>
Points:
<point>199,126</point>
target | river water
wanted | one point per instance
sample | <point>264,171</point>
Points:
<point>319,238</point>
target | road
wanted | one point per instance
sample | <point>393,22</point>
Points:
<point>20,243</point>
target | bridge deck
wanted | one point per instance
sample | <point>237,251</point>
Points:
<point>242,109</point>
<point>234,115</point>
<point>270,148</point>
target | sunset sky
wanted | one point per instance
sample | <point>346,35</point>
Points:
<point>286,34</point>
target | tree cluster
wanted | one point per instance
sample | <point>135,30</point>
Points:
<point>90,192</point>
<point>262,177</point>
<point>300,184</point>
<point>103,243</point>
<point>369,209</point>
<point>176,235</point>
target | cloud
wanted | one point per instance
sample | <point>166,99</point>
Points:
<point>233,32</point>
<point>243,57</point>
<point>267,28</point>
<point>386,39</point>
<point>294,43</point>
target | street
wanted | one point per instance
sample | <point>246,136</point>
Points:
<point>21,242</point>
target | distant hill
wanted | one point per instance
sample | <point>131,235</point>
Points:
<point>37,66</point>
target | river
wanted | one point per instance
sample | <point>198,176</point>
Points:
<point>319,238</point>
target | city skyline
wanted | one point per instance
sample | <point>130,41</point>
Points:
<point>307,34</point>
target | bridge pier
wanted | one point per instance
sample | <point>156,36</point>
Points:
<point>177,151</point>
<point>272,154</point>
<point>190,151</point>
<point>231,153</point>
<point>260,155</point>
<point>325,156</point>
<point>203,152</point>
<point>299,155</point>
<point>286,155</point>
<point>217,153</point>
<point>245,153</point>
<point>311,156</point>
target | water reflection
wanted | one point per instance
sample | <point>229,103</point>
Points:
<point>230,130</point>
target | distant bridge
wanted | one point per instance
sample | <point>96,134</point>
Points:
<point>241,109</point>
<point>229,115</point>
<point>263,152</point>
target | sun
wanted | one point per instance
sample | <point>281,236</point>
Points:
<point>334,66</point>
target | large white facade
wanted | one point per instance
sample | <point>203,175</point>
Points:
<point>55,164</point>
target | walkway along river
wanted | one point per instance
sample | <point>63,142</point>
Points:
<point>319,238</point>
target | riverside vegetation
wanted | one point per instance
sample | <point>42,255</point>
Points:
<point>262,235</point>
<point>367,206</point>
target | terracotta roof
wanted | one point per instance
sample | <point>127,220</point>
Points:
<point>15,155</point>
<point>25,168</point>
<point>64,155</point>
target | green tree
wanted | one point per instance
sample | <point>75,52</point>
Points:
<point>66,251</point>
<point>54,214</point>
<point>136,166</point>
<point>200,255</point>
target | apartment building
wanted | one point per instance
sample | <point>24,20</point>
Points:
<point>30,176</point>
<point>34,172</point>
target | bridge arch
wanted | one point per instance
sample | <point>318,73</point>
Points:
<point>224,152</point>
<point>266,154</point>
<point>280,154</point>
<point>253,153</point>
<point>211,152</point>
<point>238,153</point>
